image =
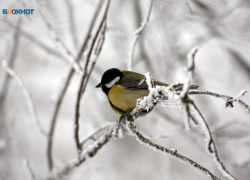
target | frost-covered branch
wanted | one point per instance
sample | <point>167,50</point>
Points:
<point>64,88</point>
<point>228,99</point>
<point>173,153</point>
<point>85,74</point>
<point>59,43</point>
<point>95,132</point>
<point>184,94</point>
<point>211,147</point>
<point>27,95</point>
<point>159,93</point>
<point>89,152</point>
<point>137,34</point>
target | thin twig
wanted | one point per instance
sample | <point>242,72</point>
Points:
<point>189,7</point>
<point>97,52</point>
<point>88,152</point>
<point>95,132</point>
<point>184,94</point>
<point>221,96</point>
<point>162,93</point>
<point>59,100</point>
<point>173,153</point>
<point>55,112</point>
<point>32,174</point>
<point>59,43</point>
<point>27,96</point>
<point>83,78</point>
<point>11,61</point>
<point>190,70</point>
<point>137,34</point>
<point>72,23</point>
<point>211,147</point>
<point>35,40</point>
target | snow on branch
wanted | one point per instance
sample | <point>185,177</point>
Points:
<point>172,152</point>
<point>228,99</point>
<point>184,94</point>
<point>91,135</point>
<point>89,152</point>
<point>27,95</point>
<point>156,95</point>
<point>137,34</point>
<point>159,93</point>
<point>211,147</point>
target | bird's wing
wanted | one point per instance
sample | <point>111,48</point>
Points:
<point>134,80</point>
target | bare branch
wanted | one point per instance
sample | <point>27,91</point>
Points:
<point>58,42</point>
<point>27,96</point>
<point>34,39</point>
<point>96,54</point>
<point>32,174</point>
<point>84,76</point>
<point>11,61</point>
<point>95,132</point>
<point>60,97</point>
<point>72,23</point>
<point>88,152</point>
<point>137,34</point>
<point>189,7</point>
<point>55,112</point>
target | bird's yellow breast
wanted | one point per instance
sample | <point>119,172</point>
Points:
<point>124,99</point>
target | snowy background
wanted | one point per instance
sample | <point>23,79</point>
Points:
<point>219,28</point>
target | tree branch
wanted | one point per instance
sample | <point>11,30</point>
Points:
<point>173,153</point>
<point>27,95</point>
<point>65,86</point>
<point>88,152</point>
<point>84,76</point>
<point>227,98</point>
<point>211,147</point>
<point>34,39</point>
<point>11,61</point>
<point>137,34</point>
<point>59,43</point>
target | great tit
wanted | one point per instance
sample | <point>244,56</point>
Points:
<point>123,88</point>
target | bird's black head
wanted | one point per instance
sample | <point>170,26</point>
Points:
<point>109,79</point>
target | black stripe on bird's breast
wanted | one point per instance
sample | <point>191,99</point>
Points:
<point>116,108</point>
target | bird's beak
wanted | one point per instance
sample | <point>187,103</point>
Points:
<point>99,85</point>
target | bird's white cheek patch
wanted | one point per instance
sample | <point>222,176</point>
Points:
<point>112,83</point>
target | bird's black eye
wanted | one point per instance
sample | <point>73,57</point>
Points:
<point>110,75</point>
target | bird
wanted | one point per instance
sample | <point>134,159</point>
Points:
<point>123,88</point>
